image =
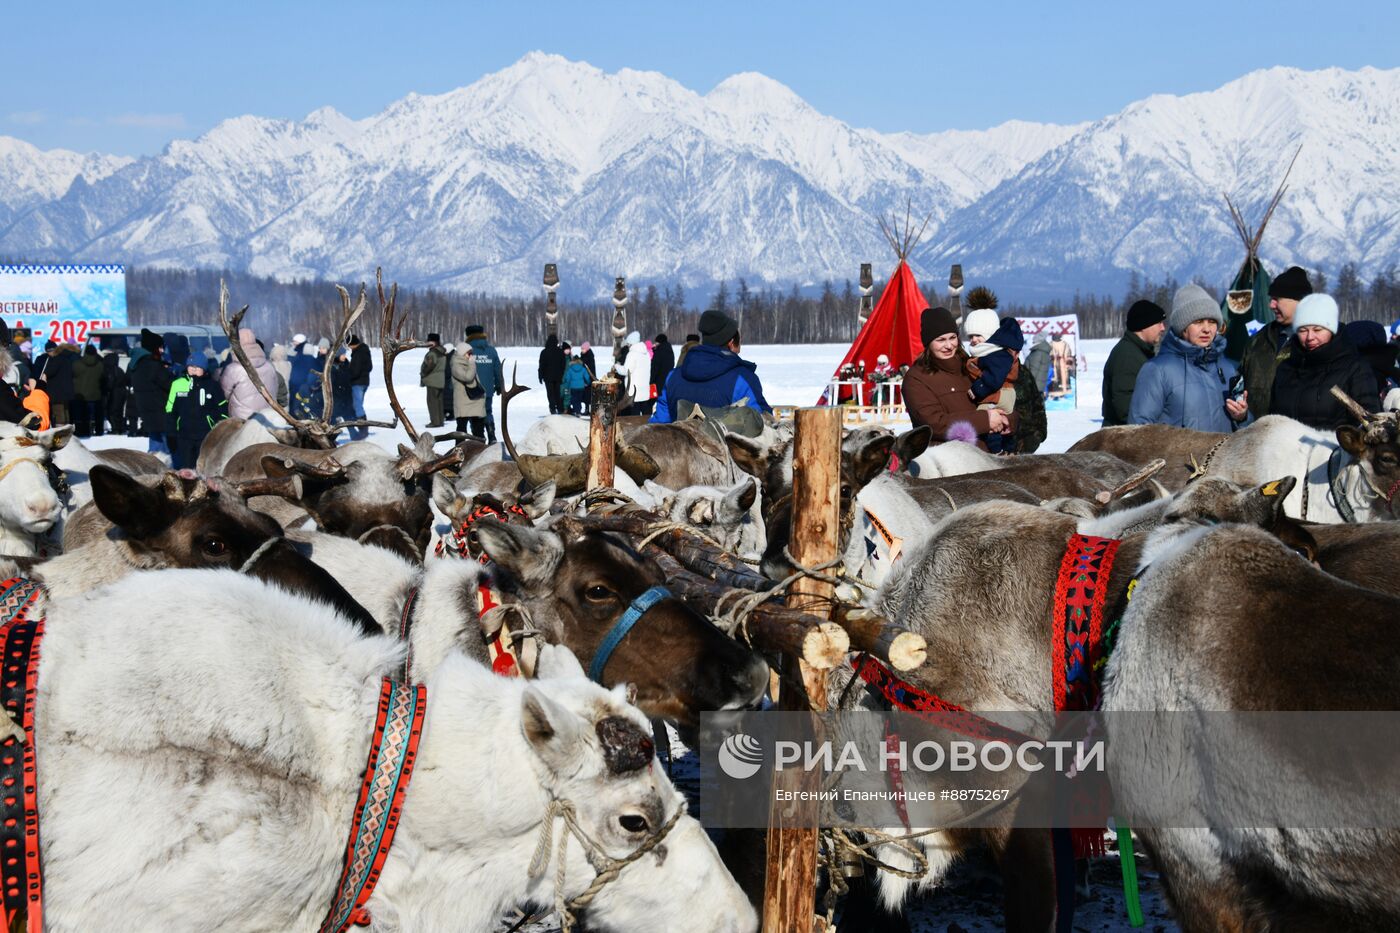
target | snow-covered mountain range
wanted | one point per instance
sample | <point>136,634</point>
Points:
<point>631,173</point>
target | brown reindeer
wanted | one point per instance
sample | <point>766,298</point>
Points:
<point>1003,559</point>
<point>183,520</point>
<point>577,583</point>
<point>1227,618</point>
<point>357,490</point>
<point>558,587</point>
<point>1184,450</point>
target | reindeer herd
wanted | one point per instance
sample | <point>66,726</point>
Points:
<point>216,639</point>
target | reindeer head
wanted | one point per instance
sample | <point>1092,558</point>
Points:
<point>729,515</point>
<point>464,513</point>
<point>181,519</point>
<point>1212,500</point>
<point>575,742</point>
<point>360,493</point>
<point>28,501</point>
<point>576,585</point>
<point>1376,446</point>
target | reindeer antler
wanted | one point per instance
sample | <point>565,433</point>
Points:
<point>412,464</point>
<point>230,328</point>
<point>284,487</point>
<point>390,346</point>
<point>347,319</point>
<point>515,389</point>
<point>1133,482</point>
<point>1353,406</point>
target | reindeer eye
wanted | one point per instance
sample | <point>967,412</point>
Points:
<point>632,823</point>
<point>845,491</point>
<point>213,547</point>
<point>1388,459</point>
<point>598,593</point>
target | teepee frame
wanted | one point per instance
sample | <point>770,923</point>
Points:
<point>903,238</point>
<point>1252,236</point>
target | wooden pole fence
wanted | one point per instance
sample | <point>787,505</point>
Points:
<point>789,896</point>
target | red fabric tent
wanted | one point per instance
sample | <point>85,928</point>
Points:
<point>892,329</point>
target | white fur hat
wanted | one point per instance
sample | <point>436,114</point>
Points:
<point>634,337</point>
<point>983,322</point>
<point>1317,310</point>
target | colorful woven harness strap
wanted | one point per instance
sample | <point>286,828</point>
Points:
<point>461,535</point>
<point>398,726</point>
<point>21,883</point>
<point>619,631</point>
<point>1081,589</point>
<point>932,708</point>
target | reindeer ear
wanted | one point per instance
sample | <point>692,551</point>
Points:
<point>537,501</point>
<point>141,511</point>
<point>911,444</point>
<point>1276,490</point>
<point>1352,439</point>
<point>551,730</point>
<point>872,458</point>
<point>557,662</point>
<point>737,502</point>
<point>444,494</point>
<point>748,456</point>
<point>659,494</point>
<point>531,556</point>
<point>55,439</point>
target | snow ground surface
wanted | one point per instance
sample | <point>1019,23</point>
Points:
<point>970,900</point>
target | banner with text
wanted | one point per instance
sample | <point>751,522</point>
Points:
<point>62,302</point>
<point>1062,331</point>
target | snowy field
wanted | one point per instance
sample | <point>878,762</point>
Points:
<point>791,375</point>
<point>970,900</point>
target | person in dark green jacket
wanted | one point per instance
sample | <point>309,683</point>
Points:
<point>1031,426</point>
<point>432,375</point>
<point>1259,356</point>
<point>1144,327</point>
<point>195,405</point>
<point>87,393</point>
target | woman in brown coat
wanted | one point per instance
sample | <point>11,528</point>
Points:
<point>937,389</point>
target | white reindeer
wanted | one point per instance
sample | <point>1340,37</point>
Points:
<point>225,805</point>
<point>29,506</point>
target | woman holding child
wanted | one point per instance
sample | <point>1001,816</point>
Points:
<point>938,388</point>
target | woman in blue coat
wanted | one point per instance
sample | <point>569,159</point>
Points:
<point>1188,383</point>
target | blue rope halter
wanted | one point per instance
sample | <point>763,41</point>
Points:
<point>619,631</point>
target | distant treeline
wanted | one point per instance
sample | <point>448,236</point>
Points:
<point>766,315</point>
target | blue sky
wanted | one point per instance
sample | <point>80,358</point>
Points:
<point>128,78</point>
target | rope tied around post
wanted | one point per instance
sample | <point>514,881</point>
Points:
<point>736,616</point>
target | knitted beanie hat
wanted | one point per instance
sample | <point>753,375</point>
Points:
<point>1317,310</point>
<point>981,323</point>
<point>935,323</point>
<point>1191,304</point>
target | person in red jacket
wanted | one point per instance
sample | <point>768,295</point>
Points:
<point>937,386</point>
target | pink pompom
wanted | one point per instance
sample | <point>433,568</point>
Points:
<point>962,431</point>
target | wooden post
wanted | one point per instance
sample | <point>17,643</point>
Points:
<point>789,896</point>
<point>602,432</point>
<point>551,304</point>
